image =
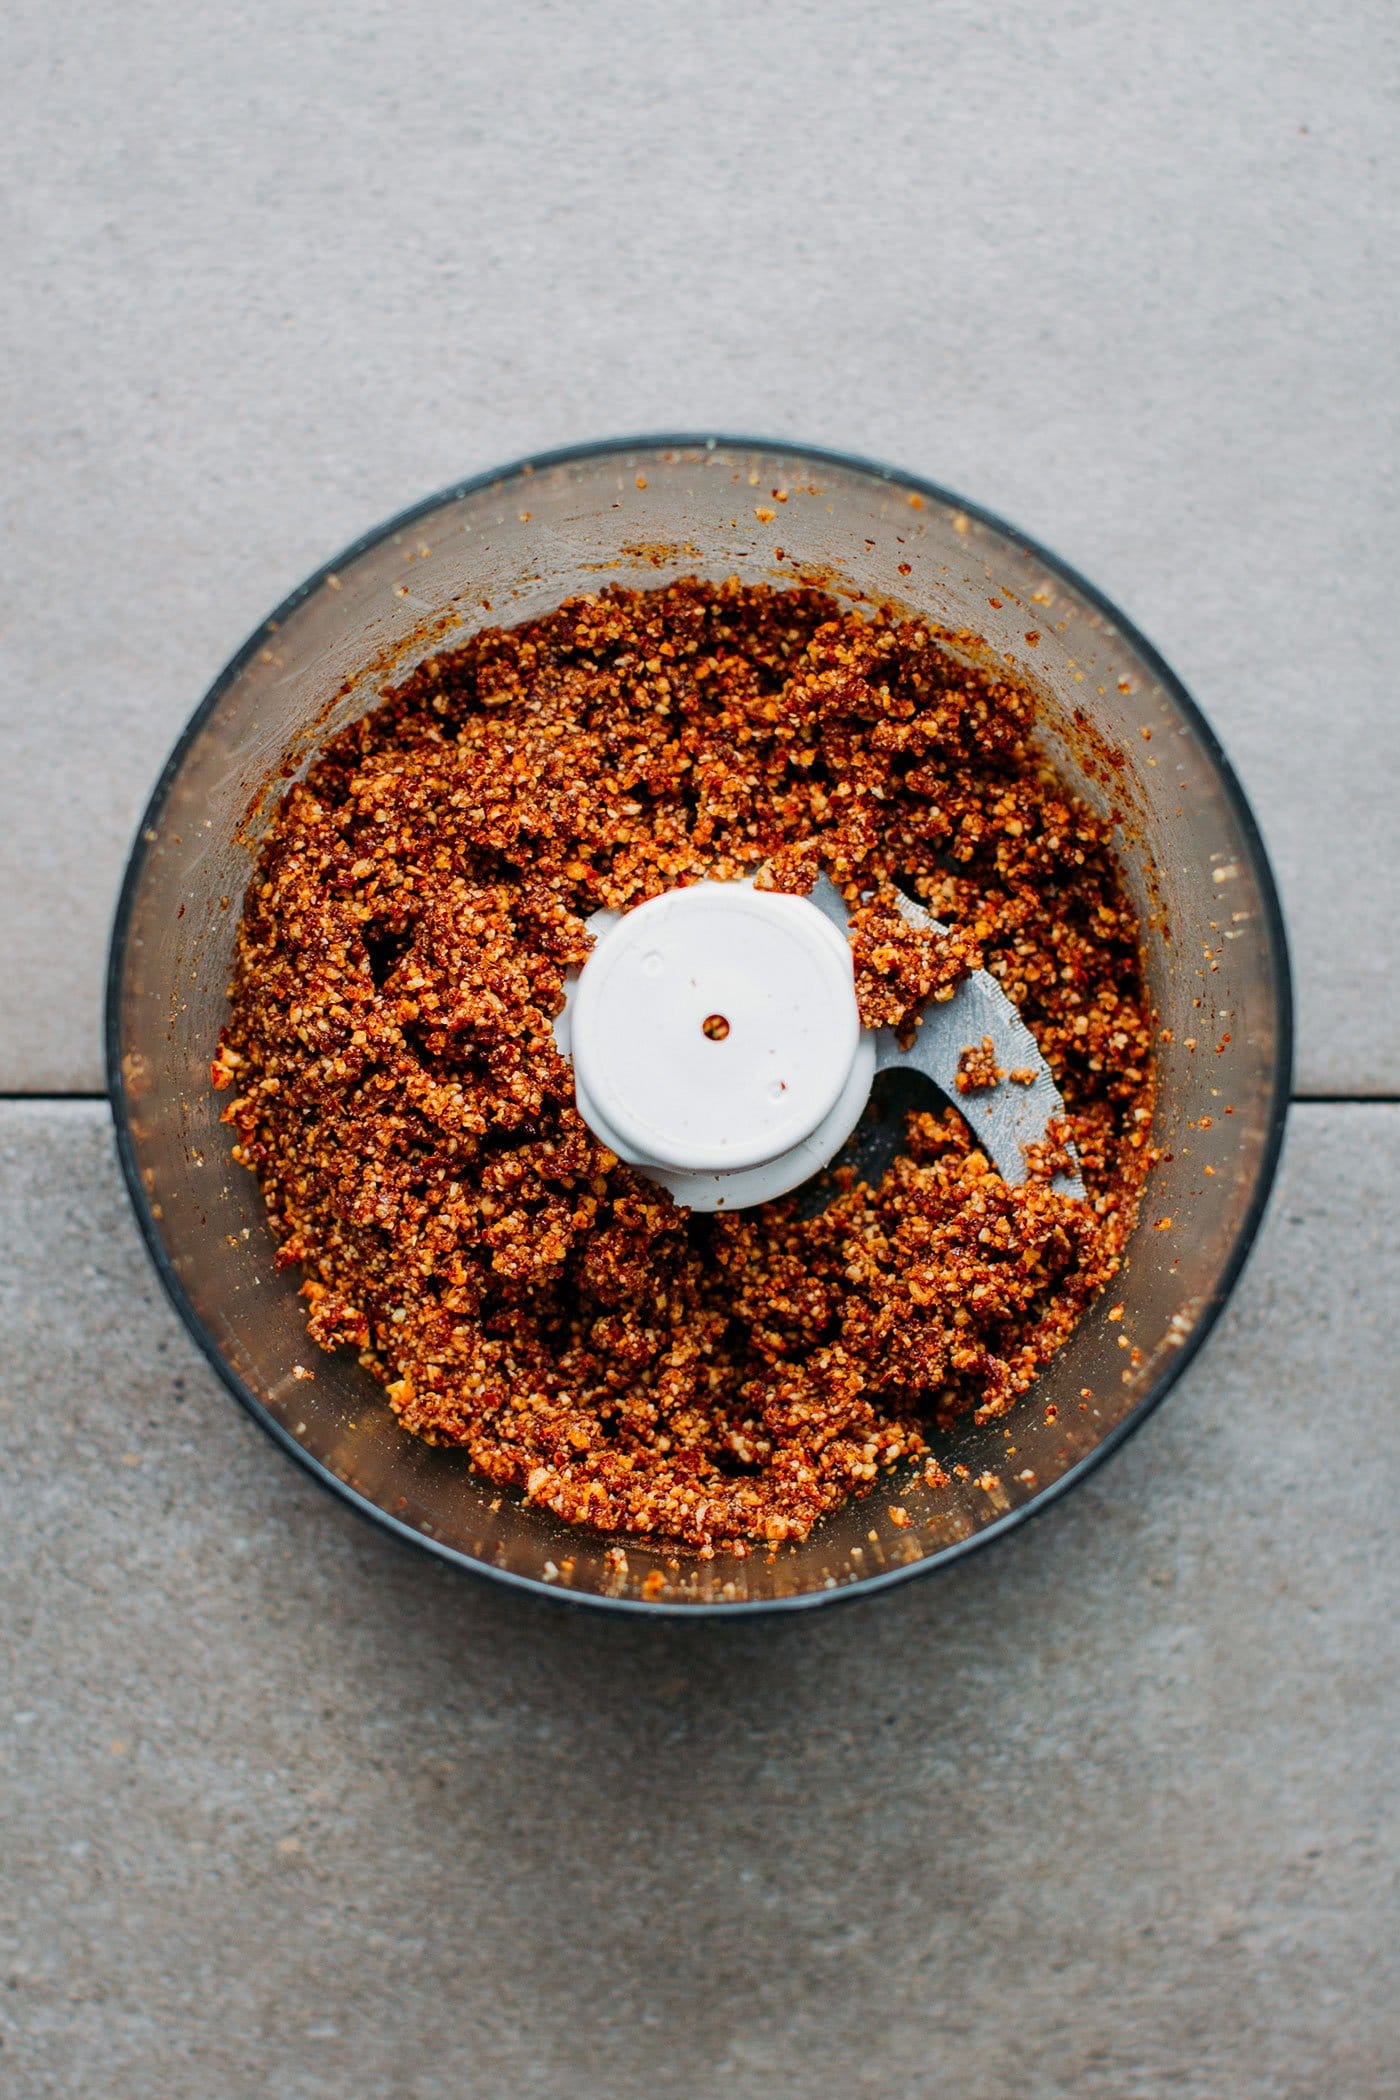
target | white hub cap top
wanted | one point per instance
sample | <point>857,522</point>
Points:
<point>714,1027</point>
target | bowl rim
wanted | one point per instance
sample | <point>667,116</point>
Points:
<point>1280,1086</point>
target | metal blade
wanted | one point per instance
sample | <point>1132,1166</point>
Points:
<point>1005,1118</point>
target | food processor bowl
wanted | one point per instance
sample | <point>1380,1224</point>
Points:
<point>504,548</point>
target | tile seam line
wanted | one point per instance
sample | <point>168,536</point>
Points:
<point>10,1096</point>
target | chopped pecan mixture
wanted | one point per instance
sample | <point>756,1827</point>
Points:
<point>978,1068</point>
<point>718,1382</point>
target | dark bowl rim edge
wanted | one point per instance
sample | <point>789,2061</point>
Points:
<point>1247,1233</point>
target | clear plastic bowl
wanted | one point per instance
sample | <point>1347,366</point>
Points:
<point>510,545</point>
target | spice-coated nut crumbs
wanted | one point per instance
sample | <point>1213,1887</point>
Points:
<point>518,1290</point>
<point>978,1068</point>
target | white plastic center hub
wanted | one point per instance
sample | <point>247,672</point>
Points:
<point>715,1027</point>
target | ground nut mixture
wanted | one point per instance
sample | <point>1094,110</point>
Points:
<point>395,1085</point>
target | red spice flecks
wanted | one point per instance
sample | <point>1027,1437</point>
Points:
<point>519,1291</point>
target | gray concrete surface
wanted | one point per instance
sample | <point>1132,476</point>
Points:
<point>1107,1813</point>
<point>1127,276</point>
